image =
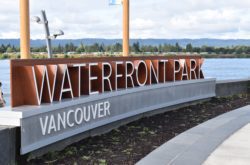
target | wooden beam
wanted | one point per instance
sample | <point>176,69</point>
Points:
<point>125,28</point>
<point>25,29</point>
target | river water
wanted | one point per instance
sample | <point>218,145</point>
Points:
<point>221,69</point>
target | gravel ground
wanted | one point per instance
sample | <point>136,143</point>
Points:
<point>130,143</point>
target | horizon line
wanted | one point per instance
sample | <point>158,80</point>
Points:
<point>136,39</point>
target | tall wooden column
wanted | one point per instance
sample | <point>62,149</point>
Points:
<point>24,29</point>
<point>125,27</point>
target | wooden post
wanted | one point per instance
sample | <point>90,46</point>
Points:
<point>125,28</point>
<point>24,29</point>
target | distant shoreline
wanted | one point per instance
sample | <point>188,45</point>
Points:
<point>199,42</point>
<point>43,56</point>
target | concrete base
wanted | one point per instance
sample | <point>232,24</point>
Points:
<point>8,134</point>
<point>222,89</point>
<point>58,146</point>
<point>123,104</point>
<point>8,145</point>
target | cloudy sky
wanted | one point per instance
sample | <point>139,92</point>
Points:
<point>222,19</point>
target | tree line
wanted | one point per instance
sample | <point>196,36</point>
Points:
<point>135,47</point>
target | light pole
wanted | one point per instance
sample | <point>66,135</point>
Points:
<point>48,37</point>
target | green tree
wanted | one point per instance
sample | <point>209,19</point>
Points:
<point>60,48</point>
<point>177,47</point>
<point>3,48</point>
<point>189,47</point>
<point>136,47</point>
<point>102,48</point>
<point>81,48</point>
<point>117,47</point>
<point>9,50</point>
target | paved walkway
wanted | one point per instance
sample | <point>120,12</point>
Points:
<point>235,150</point>
<point>222,140</point>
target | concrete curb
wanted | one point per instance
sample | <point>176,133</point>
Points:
<point>195,145</point>
<point>232,87</point>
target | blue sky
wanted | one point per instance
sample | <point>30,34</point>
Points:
<point>221,19</point>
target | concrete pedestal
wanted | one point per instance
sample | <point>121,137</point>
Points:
<point>49,124</point>
<point>8,145</point>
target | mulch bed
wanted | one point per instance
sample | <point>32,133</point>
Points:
<point>130,143</point>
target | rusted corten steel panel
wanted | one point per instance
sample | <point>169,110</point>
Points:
<point>38,81</point>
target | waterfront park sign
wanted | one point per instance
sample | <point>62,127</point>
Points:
<point>35,82</point>
<point>54,99</point>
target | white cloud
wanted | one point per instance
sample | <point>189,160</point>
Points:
<point>149,19</point>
